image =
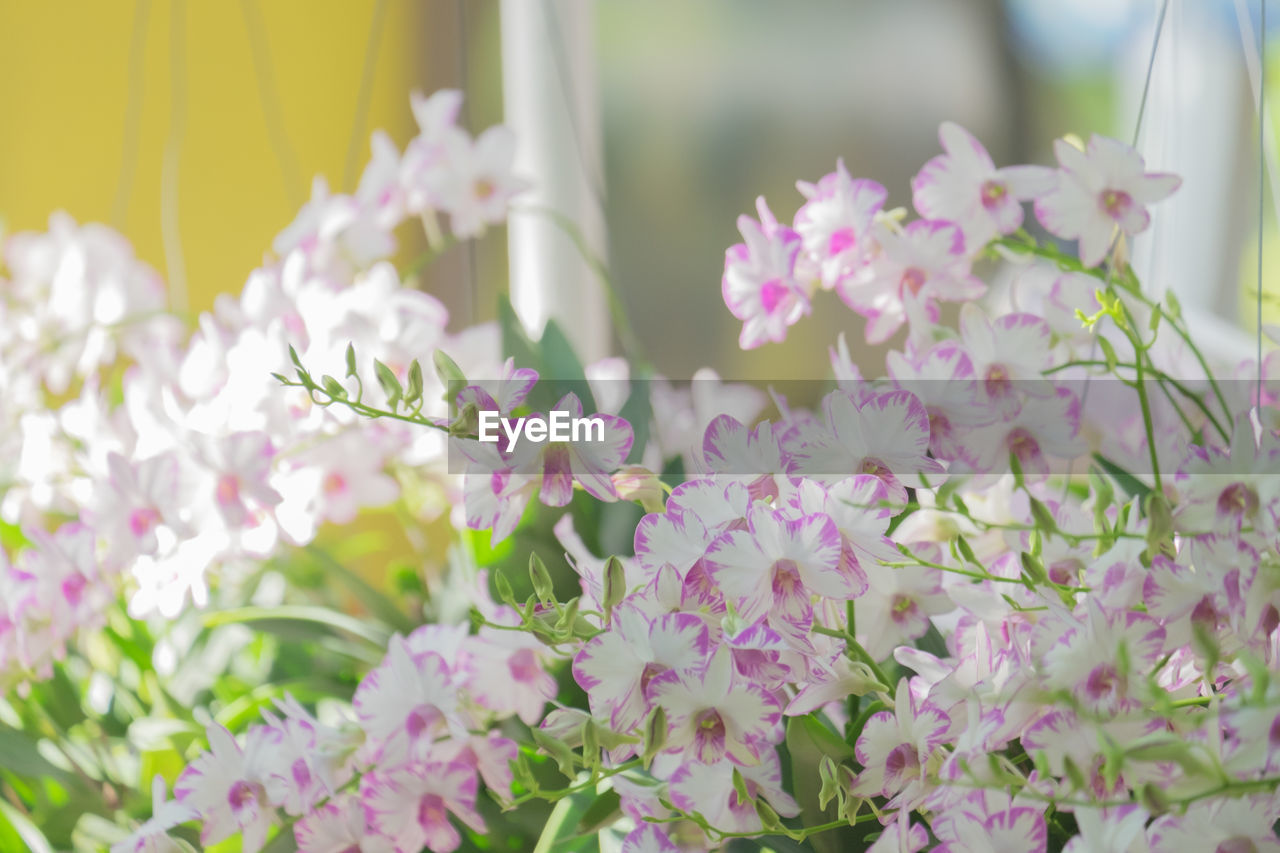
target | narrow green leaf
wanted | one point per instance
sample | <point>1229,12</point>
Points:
<point>331,620</point>
<point>377,603</point>
<point>638,411</point>
<point>30,834</point>
<point>18,754</point>
<point>602,812</point>
<point>562,368</point>
<point>515,343</point>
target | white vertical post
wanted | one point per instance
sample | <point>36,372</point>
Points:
<point>1196,116</point>
<point>551,102</point>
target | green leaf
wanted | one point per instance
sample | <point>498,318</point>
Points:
<point>810,730</point>
<point>374,601</point>
<point>1109,352</point>
<point>18,754</point>
<point>1131,484</point>
<point>268,618</point>
<point>638,411</point>
<point>560,834</point>
<point>562,367</point>
<point>601,812</point>
<point>515,343</point>
<point>565,758</point>
<point>25,830</point>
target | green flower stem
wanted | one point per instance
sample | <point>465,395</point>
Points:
<point>858,651</point>
<point>1162,377</point>
<point>1140,350</point>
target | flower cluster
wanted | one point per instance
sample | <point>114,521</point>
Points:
<point>842,239</point>
<point>177,454</point>
<point>1021,593</point>
<point>389,778</point>
<point>1006,653</point>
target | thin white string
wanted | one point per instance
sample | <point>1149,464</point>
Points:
<point>1249,41</point>
<point>1262,153</point>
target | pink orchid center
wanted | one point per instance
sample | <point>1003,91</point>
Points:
<point>73,589</point>
<point>997,381</point>
<point>1103,682</point>
<point>841,239</point>
<point>1116,203</point>
<point>772,294</point>
<point>902,763</point>
<point>903,608</point>
<point>709,733</point>
<point>875,468</point>
<point>993,192</point>
<point>651,669</point>
<point>228,491</point>
<point>1206,614</point>
<point>1270,620</point>
<point>786,579</point>
<point>141,521</point>
<point>1023,445</point>
<point>241,795</point>
<point>431,811</point>
<point>301,773</point>
<point>422,720</point>
<point>524,666</point>
<point>484,189</point>
<point>1237,501</point>
<point>334,483</point>
<point>1065,572</point>
<point>939,424</point>
<point>912,281</point>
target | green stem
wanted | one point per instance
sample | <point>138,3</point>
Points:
<point>1160,376</point>
<point>858,651</point>
<point>1148,425</point>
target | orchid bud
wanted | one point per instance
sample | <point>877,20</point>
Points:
<point>637,483</point>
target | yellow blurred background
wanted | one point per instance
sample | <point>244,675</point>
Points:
<point>245,101</point>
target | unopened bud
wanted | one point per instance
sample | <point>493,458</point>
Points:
<point>637,483</point>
